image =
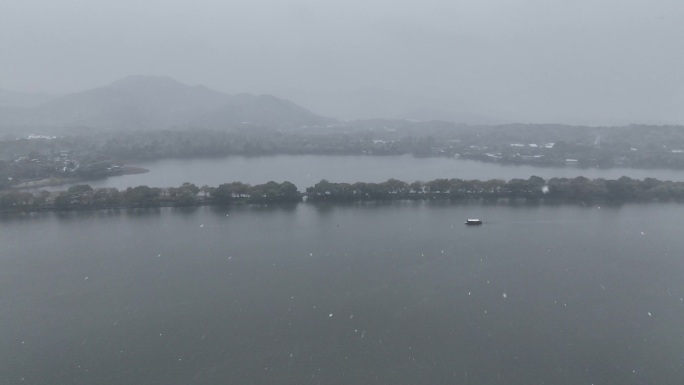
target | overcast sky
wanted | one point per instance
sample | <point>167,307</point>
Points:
<point>599,61</point>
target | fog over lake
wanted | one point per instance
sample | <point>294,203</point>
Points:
<point>213,290</point>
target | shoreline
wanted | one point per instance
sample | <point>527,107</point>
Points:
<point>512,202</point>
<point>59,181</point>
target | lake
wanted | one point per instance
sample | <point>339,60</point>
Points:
<point>307,170</point>
<point>368,293</point>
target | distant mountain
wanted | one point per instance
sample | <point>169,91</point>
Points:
<point>429,114</point>
<point>154,102</point>
<point>374,102</point>
<point>262,109</point>
<point>12,99</point>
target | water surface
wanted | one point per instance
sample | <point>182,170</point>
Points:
<point>307,170</point>
<point>392,293</point>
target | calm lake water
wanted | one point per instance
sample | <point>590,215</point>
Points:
<point>392,293</point>
<point>307,170</point>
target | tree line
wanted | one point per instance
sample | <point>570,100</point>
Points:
<point>579,189</point>
<point>84,196</point>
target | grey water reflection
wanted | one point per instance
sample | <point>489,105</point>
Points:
<point>394,292</point>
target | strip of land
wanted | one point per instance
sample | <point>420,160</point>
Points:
<point>535,189</point>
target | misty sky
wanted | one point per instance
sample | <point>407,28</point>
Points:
<point>580,61</point>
